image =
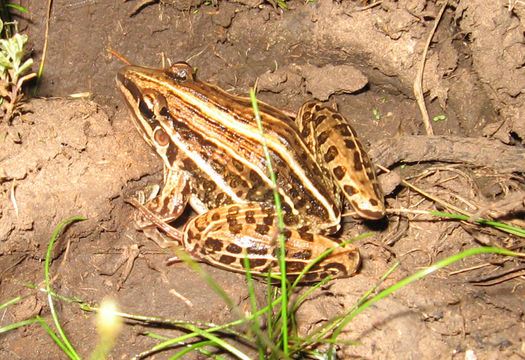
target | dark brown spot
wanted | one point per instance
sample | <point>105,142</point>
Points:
<point>310,276</point>
<point>238,165</point>
<point>217,166</point>
<point>215,216</point>
<point>268,196</point>
<point>226,259</point>
<point>305,132</point>
<point>337,117</point>
<point>300,203</point>
<point>268,220</point>
<point>350,190</point>
<point>304,156</point>
<point>343,129</point>
<point>358,165</point>
<point>331,154</point>
<point>319,120</point>
<point>339,172</point>
<point>262,229</point>
<point>287,233</point>
<point>331,230</point>
<point>188,165</point>
<point>254,177</point>
<point>316,267</point>
<point>235,228</point>
<point>306,236</point>
<point>305,228</point>
<point>374,202</point>
<point>257,250</point>
<point>307,116</point>
<point>209,186</point>
<point>350,144</point>
<point>267,208</point>
<point>277,252</point>
<point>302,254</point>
<point>254,263</point>
<point>310,105</point>
<point>239,193</point>
<point>250,217</point>
<point>321,139</point>
<point>295,266</point>
<point>233,210</point>
<point>317,107</point>
<point>220,199</point>
<point>172,154</point>
<point>204,155</point>
<point>234,249</point>
<point>235,180</point>
<point>290,219</point>
<point>214,244</point>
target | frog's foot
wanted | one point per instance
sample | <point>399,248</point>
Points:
<point>149,222</point>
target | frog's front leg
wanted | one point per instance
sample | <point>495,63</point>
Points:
<point>225,235</point>
<point>165,207</point>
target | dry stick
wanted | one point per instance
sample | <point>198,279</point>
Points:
<point>120,57</point>
<point>503,279</point>
<point>44,50</point>
<point>418,82</point>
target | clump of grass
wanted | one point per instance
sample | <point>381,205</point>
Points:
<point>13,72</point>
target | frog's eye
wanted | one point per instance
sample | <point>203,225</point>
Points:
<point>180,72</point>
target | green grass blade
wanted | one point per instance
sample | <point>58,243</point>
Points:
<point>319,334</point>
<point>17,325</point>
<point>217,341</point>
<point>504,227</point>
<point>10,302</point>
<point>17,7</point>
<point>209,280</point>
<point>197,347</point>
<point>57,340</point>
<point>253,303</point>
<point>278,207</point>
<point>73,353</point>
<point>417,276</point>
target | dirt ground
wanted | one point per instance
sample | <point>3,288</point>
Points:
<point>67,157</point>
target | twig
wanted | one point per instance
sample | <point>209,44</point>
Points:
<point>368,6</point>
<point>503,278</point>
<point>13,198</point>
<point>120,57</point>
<point>418,82</point>
<point>44,50</point>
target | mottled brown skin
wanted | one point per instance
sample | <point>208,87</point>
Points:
<point>214,159</point>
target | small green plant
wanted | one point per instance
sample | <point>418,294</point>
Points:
<point>13,72</point>
<point>439,118</point>
<point>375,112</point>
<point>282,4</point>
